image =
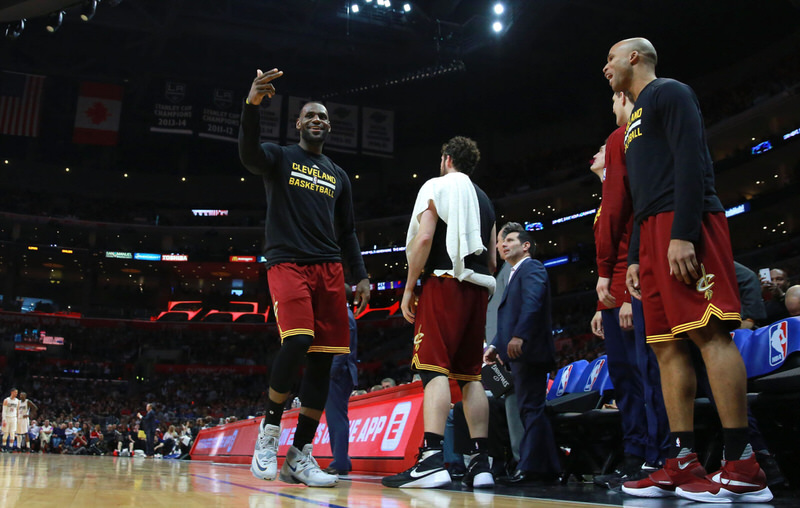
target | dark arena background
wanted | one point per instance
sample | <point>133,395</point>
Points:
<point>131,237</point>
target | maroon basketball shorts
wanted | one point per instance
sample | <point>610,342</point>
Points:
<point>672,308</point>
<point>450,328</point>
<point>310,300</point>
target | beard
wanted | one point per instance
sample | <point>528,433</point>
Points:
<point>308,137</point>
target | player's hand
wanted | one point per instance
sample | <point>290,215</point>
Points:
<point>626,317</point>
<point>515,348</point>
<point>361,296</point>
<point>409,304</point>
<point>683,263</point>
<point>632,281</point>
<point>261,86</point>
<point>597,325</point>
<point>489,356</point>
<point>604,292</point>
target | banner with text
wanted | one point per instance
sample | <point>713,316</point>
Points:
<point>344,127</point>
<point>295,105</point>
<point>219,116</point>
<point>270,112</point>
<point>172,109</point>
<point>377,131</point>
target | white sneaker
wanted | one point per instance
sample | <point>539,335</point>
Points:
<point>264,465</point>
<point>301,467</point>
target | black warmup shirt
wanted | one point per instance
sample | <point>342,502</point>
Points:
<point>438,259</point>
<point>309,202</point>
<point>669,166</point>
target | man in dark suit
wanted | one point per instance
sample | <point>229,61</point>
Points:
<point>524,340</point>
<point>344,377</point>
<point>149,427</point>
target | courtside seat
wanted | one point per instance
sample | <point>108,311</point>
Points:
<point>772,357</point>
<point>567,379</point>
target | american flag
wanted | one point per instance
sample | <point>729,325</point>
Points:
<point>20,103</point>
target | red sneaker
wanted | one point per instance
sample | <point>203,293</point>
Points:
<point>663,482</point>
<point>737,481</point>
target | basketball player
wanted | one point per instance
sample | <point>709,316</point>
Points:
<point>450,241</point>
<point>23,421</point>
<point>10,412</point>
<point>310,231</point>
<point>683,272</point>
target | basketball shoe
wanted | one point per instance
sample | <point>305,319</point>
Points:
<point>662,483</point>
<point>738,481</point>
<point>302,467</point>
<point>429,472</point>
<point>479,472</point>
<point>264,465</point>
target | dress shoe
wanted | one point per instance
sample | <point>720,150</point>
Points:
<point>521,477</point>
<point>337,472</point>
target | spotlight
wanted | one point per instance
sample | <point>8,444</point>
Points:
<point>499,8</point>
<point>407,7</point>
<point>54,21</point>
<point>88,10</point>
<point>354,8</point>
<point>13,31</point>
<point>497,26</point>
<point>380,2</point>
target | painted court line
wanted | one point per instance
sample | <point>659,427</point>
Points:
<point>265,491</point>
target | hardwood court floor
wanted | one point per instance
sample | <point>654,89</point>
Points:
<point>61,481</point>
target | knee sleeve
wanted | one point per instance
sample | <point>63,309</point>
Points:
<point>316,381</point>
<point>427,376</point>
<point>287,362</point>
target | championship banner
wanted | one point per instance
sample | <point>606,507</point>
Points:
<point>20,103</point>
<point>344,127</point>
<point>220,118</point>
<point>377,134</point>
<point>270,113</point>
<point>97,114</point>
<point>295,105</point>
<point>172,110</point>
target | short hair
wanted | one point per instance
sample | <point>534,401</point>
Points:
<point>464,152</point>
<point>388,380</point>
<point>523,235</point>
<point>645,49</point>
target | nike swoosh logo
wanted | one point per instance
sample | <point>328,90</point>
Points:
<point>733,483</point>
<point>258,466</point>
<point>415,474</point>
<point>684,465</point>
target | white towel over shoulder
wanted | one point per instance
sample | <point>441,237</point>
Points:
<point>456,201</point>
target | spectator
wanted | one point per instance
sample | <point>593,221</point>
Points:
<point>45,435</point>
<point>388,383</point>
<point>792,300</point>
<point>775,288</point>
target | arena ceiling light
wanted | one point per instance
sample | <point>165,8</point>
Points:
<point>497,27</point>
<point>354,8</point>
<point>88,9</point>
<point>54,21</point>
<point>499,8</point>
<point>13,31</point>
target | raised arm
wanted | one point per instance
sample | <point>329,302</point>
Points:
<point>256,158</point>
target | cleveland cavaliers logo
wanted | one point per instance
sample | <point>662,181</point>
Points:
<point>418,340</point>
<point>705,283</point>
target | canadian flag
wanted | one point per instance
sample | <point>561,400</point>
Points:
<point>97,114</point>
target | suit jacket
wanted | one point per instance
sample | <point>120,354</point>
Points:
<point>524,312</point>
<point>149,421</point>
<point>345,366</point>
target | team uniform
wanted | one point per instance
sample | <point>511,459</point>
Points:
<point>451,315</point>
<point>632,365</point>
<point>23,414</point>
<point>672,186</point>
<point>309,233</point>
<point>10,420</point>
